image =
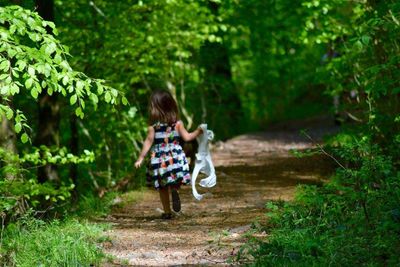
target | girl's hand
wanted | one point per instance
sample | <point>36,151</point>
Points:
<point>138,163</point>
<point>200,129</point>
<point>146,146</point>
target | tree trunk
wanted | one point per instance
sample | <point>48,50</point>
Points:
<point>8,140</point>
<point>73,144</point>
<point>49,108</point>
<point>48,133</point>
<point>45,8</point>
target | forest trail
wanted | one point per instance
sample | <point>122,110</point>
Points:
<point>251,169</point>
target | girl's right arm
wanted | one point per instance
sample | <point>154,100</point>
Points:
<point>146,146</point>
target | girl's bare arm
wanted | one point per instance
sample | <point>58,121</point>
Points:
<point>146,146</point>
<point>186,136</point>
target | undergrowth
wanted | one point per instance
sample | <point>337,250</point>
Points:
<point>33,242</point>
<point>353,220</point>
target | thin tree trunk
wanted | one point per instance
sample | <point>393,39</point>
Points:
<point>74,146</point>
<point>48,133</point>
<point>49,108</point>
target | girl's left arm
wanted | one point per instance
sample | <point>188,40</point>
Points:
<point>186,136</point>
<point>146,146</point>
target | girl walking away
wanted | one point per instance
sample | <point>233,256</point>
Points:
<point>168,168</point>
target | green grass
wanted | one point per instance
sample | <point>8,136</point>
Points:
<point>91,206</point>
<point>32,242</point>
<point>132,197</point>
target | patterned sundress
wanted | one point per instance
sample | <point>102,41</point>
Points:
<point>168,165</point>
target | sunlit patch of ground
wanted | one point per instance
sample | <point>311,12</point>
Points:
<point>251,170</point>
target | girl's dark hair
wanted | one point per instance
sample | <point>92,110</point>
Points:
<point>162,108</point>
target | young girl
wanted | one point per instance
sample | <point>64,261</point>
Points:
<point>168,167</point>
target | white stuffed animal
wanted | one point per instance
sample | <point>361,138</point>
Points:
<point>203,162</point>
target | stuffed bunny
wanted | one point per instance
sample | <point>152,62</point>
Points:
<point>203,162</point>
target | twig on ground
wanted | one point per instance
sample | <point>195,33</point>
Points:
<point>323,150</point>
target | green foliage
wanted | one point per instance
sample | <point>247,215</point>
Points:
<point>273,68</point>
<point>23,190</point>
<point>154,50</point>
<point>353,219</point>
<point>18,195</point>
<point>34,60</point>
<point>34,242</point>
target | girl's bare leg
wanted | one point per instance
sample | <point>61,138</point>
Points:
<point>164,197</point>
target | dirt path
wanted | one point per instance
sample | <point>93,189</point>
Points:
<point>251,170</point>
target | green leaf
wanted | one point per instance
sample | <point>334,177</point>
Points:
<point>65,80</point>
<point>50,48</point>
<point>79,112</point>
<point>124,101</point>
<point>94,98</point>
<point>24,138</point>
<point>5,89</point>
<point>14,89</point>
<point>13,28</point>
<point>365,39</point>
<point>8,80</point>
<point>28,83</point>
<point>15,72</point>
<point>79,85</point>
<point>18,127</point>
<point>5,65</point>
<point>58,59</point>
<point>21,65</point>
<point>9,113</point>
<point>73,99</point>
<point>100,88</point>
<point>34,93</point>
<point>107,97</point>
<point>31,71</point>
<point>114,92</point>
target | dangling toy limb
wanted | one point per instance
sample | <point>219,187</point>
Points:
<point>211,180</point>
<point>198,166</point>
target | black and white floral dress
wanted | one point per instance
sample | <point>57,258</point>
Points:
<point>168,165</point>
